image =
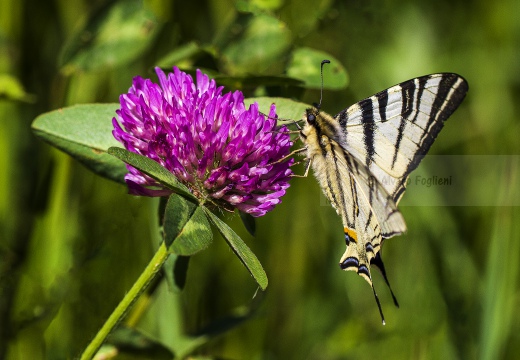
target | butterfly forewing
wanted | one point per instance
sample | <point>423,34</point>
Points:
<point>390,132</point>
<point>363,156</point>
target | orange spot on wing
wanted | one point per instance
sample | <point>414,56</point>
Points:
<point>351,233</point>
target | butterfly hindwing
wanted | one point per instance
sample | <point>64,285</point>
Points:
<point>363,203</point>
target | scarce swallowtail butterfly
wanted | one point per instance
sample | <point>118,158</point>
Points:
<point>363,156</point>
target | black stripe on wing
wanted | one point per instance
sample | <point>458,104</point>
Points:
<point>420,89</point>
<point>407,95</point>
<point>367,111</point>
<point>451,91</point>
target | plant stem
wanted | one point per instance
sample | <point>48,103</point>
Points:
<point>153,267</point>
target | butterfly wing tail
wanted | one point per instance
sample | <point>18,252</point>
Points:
<point>378,262</point>
<point>352,261</point>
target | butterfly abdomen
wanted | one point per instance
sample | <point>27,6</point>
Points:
<point>328,165</point>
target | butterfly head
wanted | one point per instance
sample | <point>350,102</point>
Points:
<point>311,119</point>
<point>310,123</point>
<point>311,116</point>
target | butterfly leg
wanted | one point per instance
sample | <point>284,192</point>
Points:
<point>290,132</point>
<point>288,156</point>
<point>307,167</point>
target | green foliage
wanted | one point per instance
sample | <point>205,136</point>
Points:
<point>287,110</point>
<point>305,65</point>
<point>186,229</point>
<point>249,222</point>
<point>114,35</point>
<point>12,89</point>
<point>128,340</point>
<point>243,252</point>
<point>85,133</point>
<point>154,170</point>
<point>247,52</point>
<point>72,243</point>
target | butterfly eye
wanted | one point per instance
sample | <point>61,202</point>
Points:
<point>311,118</point>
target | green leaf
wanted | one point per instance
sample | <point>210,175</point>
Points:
<point>253,81</point>
<point>249,222</point>
<point>177,213</point>
<point>264,42</point>
<point>238,316</point>
<point>11,88</point>
<point>305,65</point>
<point>182,53</point>
<point>307,17</point>
<point>176,271</point>
<point>154,170</point>
<point>114,35</point>
<point>186,229</point>
<point>125,340</point>
<point>246,256</point>
<point>258,6</point>
<point>285,108</point>
<point>85,133</point>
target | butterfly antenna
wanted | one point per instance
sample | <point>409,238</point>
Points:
<point>378,261</point>
<point>321,89</point>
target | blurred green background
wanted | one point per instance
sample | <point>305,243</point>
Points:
<point>72,243</point>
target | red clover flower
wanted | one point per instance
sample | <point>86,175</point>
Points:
<point>225,154</point>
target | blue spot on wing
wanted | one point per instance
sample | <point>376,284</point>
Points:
<point>363,270</point>
<point>349,262</point>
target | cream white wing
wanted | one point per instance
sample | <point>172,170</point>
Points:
<point>391,131</point>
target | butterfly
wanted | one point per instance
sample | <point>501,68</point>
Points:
<point>362,158</point>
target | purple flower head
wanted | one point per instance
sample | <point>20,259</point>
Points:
<point>225,154</point>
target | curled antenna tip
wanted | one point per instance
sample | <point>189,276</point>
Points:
<point>323,62</point>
